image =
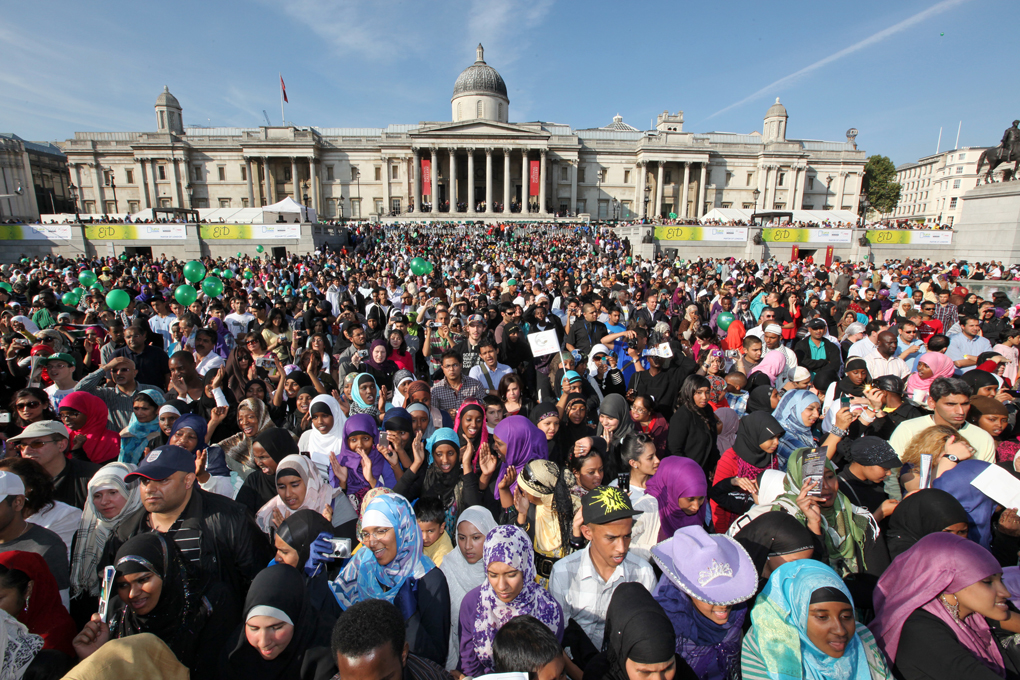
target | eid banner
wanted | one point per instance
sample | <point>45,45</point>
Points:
<point>35,232</point>
<point>786,235</point>
<point>136,232</point>
<point>535,175</point>
<point>695,233</point>
<point>426,177</point>
<point>248,232</point>
<point>912,237</point>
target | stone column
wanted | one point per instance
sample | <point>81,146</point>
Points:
<point>573,187</point>
<point>798,196</point>
<point>488,181</point>
<point>453,180</point>
<point>176,200</point>
<point>267,195</point>
<point>153,183</point>
<point>313,179</point>
<point>686,190</point>
<point>542,179</point>
<point>386,185</point>
<point>524,182</point>
<point>144,187</point>
<point>770,183</point>
<point>294,179</point>
<point>639,189</point>
<point>97,179</point>
<point>700,207</point>
<point>471,181</point>
<point>416,169</point>
<point>251,186</point>
<point>658,190</point>
<point>506,181</point>
<point>840,186</point>
<point>434,184</point>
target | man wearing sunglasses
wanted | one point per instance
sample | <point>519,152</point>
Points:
<point>45,442</point>
<point>120,398</point>
<point>909,347</point>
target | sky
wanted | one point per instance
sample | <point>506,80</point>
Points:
<point>897,71</point>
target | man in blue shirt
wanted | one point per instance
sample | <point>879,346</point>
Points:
<point>909,347</point>
<point>965,347</point>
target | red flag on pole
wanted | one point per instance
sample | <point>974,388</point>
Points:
<point>284,88</point>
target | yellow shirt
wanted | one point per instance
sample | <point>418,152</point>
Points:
<point>982,442</point>
<point>438,550</point>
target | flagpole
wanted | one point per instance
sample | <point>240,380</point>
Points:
<point>283,118</point>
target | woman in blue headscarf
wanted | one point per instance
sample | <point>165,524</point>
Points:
<point>144,423</point>
<point>979,507</point>
<point>802,626</point>
<point>359,448</point>
<point>797,412</point>
<point>393,567</point>
<point>190,432</point>
<point>365,395</point>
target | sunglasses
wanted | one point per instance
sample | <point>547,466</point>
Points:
<point>29,404</point>
<point>251,342</point>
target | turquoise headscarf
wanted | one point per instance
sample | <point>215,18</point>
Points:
<point>443,434</point>
<point>364,578</point>
<point>356,391</point>
<point>131,448</point>
<point>779,627</point>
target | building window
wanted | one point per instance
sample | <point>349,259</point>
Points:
<point>956,184</point>
<point>395,206</point>
<point>221,173</point>
<point>667,177</point>
<point>111,207</point>
<point>727,205</point>
<point>810,183</point>
<point>164,203</point>
<point>478,109</point>
<point>161,171</point>
<point>580,175</point>
<point>378,206</point>
<point>395,172</point>
<point>501,111</point>
<point>952,203</point>
<point>959,170</point>
<point>130,175</point>
<point>286,174</point>
<point>626,176</point>
<point>244,173</point>
<point>201,203</point>
<point>132,207</point>
<point>626,210</point>
<point>329,173</point>
<point>780,206</point>
<point>224,202</point>
<point>782,179</point>
<point>244,202</point>
<point>564,174</point>
<point>963,156</point>
<point>162,120</point>
<point>729,178</point>
<point>197,173</point>
<point>750,178</point>
<point>581,205</point>
<point>356,208</point>
<point>378,174</point>
<point>748,206</point>
<point>331,207</point>
<point>107,177</point>
<point>354,173</point>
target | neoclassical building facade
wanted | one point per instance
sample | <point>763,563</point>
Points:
<point>478,164</point>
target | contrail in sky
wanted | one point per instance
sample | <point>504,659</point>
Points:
<point>873,39</point>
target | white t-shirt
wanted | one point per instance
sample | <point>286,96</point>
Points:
<point>238,323</point>
<point>211,362</point>
<point>56,396</point>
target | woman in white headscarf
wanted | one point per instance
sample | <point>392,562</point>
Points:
<point>110,500</point>
<point>323,437</point>
<point>299,487</point>
<point>464,568</point>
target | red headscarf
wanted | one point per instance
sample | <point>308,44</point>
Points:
<point>44,614</point>
<point>101,444</point>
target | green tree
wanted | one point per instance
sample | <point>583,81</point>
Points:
<point>880,185</point>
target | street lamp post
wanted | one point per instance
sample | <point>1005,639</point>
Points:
<point>756,193</point>
<point>864,210</point>
<point>113,185</point>
<point>74,197</point>
<point>648,195</point>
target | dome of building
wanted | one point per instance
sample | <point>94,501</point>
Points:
<point>480,78</point>
<point>167,99</point>
<point>776,109</point>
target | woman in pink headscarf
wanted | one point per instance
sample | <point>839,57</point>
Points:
<point>772,365</point>
<point>931,365</point>
<point>931,607</point>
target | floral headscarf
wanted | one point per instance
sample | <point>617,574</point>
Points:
<point>237,448</point>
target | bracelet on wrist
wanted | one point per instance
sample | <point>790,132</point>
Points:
<point>839,432</point>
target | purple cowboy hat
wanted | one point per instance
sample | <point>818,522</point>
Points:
<point>712,568</point>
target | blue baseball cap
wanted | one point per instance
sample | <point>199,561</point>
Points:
<point>162,462</point>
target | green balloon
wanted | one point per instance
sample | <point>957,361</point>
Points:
<point>724,319</point>
<point>227,274</point>
<point>248,274</point>
<point>429,268</point>
<point>239,254</point>
<point>118,299</point>
<point>70,299</point>
<point>185,294</point>
<point>79,292</point>
<point>259,248</point>
<point>216,272</point>
<point>212,286</point>
<point>24,260</point>
<point>97,286</point>
<point>123,256</point>
<point>87,278</point>
<point>6,286</point>
<point>194,271</point>
<point>419,266</point>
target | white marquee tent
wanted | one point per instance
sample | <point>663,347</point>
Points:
<point>289,210</point>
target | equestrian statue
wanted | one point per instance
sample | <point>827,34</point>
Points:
<point>1007,151</point>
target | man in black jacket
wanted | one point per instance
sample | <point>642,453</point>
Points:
<point>218,540</point>
<point>811,349</point>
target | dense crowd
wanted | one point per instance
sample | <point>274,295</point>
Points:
<point>439,453</point>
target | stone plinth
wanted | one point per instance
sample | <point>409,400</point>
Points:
<point>989,224</point>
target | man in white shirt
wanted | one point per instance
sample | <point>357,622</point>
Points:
<point>238,320</point>
<point>867,345</point>
<point>205,358</point>
<point>161,322</point>
<point>772,340</point>
<point>583,582</point>
<point>884,360</point>
<point>489,371</point>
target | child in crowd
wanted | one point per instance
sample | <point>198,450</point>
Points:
<point>495,411</point>
<point>431,518</point>
<point>526,645</point>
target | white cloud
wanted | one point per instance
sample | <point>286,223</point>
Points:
<point>505,26</point>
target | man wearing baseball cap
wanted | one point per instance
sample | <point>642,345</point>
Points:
<point>18,534</point>
<point>46,443</point>
<point>469,346</point>
<point>584,581</point>
<point>60,367</point>
<point>216,536</point>
<point>815,352</point>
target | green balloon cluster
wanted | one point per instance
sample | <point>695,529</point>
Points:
<point>216,272</point>
<point>239,254</point>
<point>185,294</point>
<point>724,319</point>
<point>420,267</point>
<point>212,286</point>
<point>194,271</point>
<point>87,278</point>
<point>118,299</point>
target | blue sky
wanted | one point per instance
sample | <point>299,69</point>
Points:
<point>882,67</point>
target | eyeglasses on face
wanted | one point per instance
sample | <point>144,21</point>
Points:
<point>35,445</point>
<point>29,404</point>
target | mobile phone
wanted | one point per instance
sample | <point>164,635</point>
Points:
<point>623,481</point>
<point>341,548</point>
<point>109,573</point>
<point>844,401</point>
<point>814,470</point>
<point>5,418</point>
<point>362,353</point>
<point>925,470</point>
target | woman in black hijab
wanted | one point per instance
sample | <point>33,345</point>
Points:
<point>515,352</point>
<point>927,511</point>
<point>774,538</point>
<point>753,452</point>
<point>278,604</point>
<point>271,446</point>
<point>614,418</point>
<point>154,595</point>
<point>760,399</point>
<point>638,630</point>
<point>854,379</point>
<point>294,540</point>
<point>295,421</point>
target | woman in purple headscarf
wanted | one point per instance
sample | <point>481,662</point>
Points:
<point>931,607</point>
<point>509,590</point>
<point>680,487</point>
<point>358,450</point>
<point>517,441</point>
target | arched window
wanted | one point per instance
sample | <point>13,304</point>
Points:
<point>162,120</point>
<point>501,112</point>
<point>459,115</point>
<point>478,109</point>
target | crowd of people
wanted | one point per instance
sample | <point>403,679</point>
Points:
<point>445,454</point>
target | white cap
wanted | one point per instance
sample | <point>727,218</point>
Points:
<point>801,374</point>
<point>11,485</point>
<point>774,328</point>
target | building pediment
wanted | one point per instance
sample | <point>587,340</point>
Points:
<point>479,128</point>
